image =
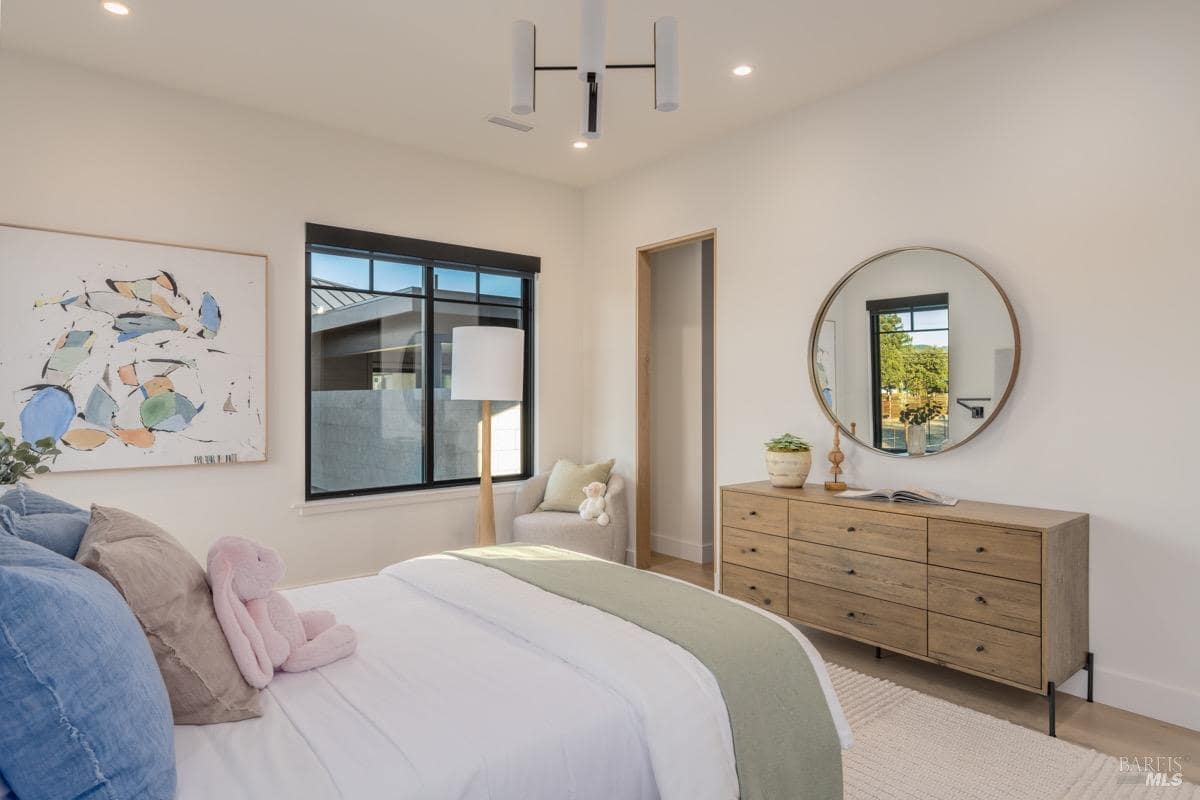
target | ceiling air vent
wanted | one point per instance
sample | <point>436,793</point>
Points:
<point>505,122</point>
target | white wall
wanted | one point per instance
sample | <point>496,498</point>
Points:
<point>1063,157</point>
<point>81,151</point>
<point>677,509</point>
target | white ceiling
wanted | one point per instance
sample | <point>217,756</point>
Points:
<point>426,74</point>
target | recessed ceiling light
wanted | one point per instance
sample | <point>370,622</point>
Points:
<point>120,9</point>
<point>742,70</point>
<point>580,145</point>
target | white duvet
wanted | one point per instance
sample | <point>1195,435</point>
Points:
<point>471,684</point>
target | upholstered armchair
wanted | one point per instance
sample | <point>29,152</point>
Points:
<point>568,530</point>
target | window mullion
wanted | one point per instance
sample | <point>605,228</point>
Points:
<point>429,367</point>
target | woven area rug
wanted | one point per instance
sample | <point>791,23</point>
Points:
<point>910,746</point>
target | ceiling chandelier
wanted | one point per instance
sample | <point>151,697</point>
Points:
<point>591,65</point>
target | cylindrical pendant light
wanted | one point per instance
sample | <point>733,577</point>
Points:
<point>589,125</point>
<point>592,25</point>
<point>666,64</point>
<point>524,54</point>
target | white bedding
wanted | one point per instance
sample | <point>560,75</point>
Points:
<point>469,683</point>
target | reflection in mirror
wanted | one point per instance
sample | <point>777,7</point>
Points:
<point>914,351</point>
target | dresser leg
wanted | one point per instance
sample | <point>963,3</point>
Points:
<point>1050,699</point>
<point>879,652</point>
<point>1089,664</point>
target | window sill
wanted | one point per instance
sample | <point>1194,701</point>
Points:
<point>370,502</point>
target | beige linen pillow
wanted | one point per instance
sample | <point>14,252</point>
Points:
<point>170,596</point>
<point>564,490</point>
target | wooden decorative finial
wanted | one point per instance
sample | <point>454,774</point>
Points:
<point>836,457</point>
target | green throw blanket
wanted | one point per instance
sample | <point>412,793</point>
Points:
<point>784,739</point>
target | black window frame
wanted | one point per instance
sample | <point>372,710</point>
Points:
<point>880,308</point>
<point>429,255</point>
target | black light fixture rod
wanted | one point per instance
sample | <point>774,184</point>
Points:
<point>607,66</point>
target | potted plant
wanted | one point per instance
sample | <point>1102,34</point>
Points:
<point>788,460</point>
<point>915,418</point>
<point>23,460</point>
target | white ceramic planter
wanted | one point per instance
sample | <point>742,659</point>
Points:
<point>788,469</point>
<point>914,440</point>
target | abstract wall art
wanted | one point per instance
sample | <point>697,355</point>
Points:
<point>132,354</point>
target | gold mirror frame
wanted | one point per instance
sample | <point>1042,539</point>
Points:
<point>833,293</point>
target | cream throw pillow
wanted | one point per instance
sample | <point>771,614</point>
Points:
<point>564,490</point>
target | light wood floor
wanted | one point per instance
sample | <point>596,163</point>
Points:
<point>690,571</point>
<point>1105,728</point>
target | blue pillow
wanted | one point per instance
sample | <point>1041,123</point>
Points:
<point>86,713</point>
<point>25,501</point>
<point>54,531</point>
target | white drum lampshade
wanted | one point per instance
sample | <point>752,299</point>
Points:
<point>489,364</point>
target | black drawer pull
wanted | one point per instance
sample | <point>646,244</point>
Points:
<point>753,549</point>
<point>979,549</point>
<point>980,600</point>
<point>849,572</point>
<point>766,601</point>
<point>754,513</point>
<point>850,614</point>
<point>851,529</point>
<point>978,648</point>
<point>754,588</point>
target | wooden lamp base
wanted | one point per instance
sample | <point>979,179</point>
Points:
<point>485,528</point>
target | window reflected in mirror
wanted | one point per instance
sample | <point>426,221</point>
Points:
<point>910,354</point>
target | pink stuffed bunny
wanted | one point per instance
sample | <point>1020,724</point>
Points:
<point>263,629</point>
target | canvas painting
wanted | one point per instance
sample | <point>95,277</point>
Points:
<point>132,354</point>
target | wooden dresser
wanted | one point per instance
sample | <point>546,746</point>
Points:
<point>997,591</point>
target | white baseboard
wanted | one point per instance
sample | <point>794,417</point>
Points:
<point>1172,704</point>
<point>689,551</point>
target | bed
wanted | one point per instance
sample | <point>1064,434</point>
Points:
<point>472,683</point>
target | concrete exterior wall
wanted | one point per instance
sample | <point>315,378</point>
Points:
<point>365,438</point>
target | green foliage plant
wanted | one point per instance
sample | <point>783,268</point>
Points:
<point>787,443</point>
<point>20,460</point>
<point>921,413</point>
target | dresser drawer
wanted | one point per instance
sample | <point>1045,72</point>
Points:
<point>754,512</point>
<point>755,550</point>
<point>891,579</point>
<point>980,548</point>
<point>995,601</point>
<point>875,621</point>
<point>761,588</point>
<point>984,648</point>
<point>878,532</point>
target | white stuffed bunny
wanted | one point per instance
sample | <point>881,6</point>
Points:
<point>593,506</point>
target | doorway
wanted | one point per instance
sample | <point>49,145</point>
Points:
<point>676,480</point>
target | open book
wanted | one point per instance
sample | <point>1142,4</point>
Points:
<point>907,495</point>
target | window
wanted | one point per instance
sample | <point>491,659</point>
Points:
<point>910,365</point>
<point>381,312</point>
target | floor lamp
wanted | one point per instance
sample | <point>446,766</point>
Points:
<point>488,363</point>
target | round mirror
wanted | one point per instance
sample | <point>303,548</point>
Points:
<point>914,352</point>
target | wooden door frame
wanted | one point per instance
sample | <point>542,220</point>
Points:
<point>643,461</point>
